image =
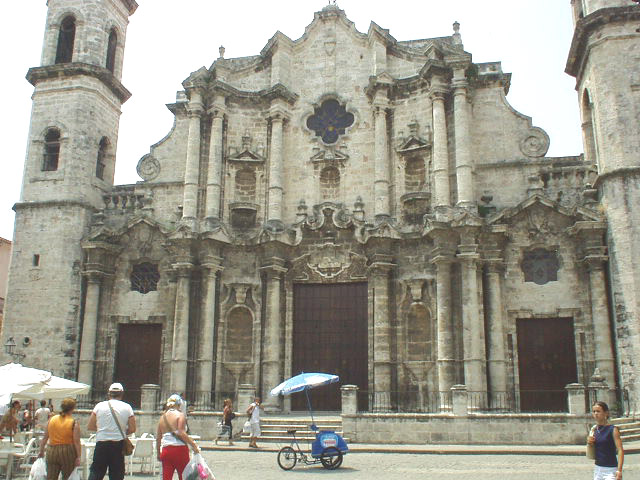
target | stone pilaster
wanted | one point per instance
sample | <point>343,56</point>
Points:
<point>604,358</point>
<point>190,197</point>
<point>180,345</point>
<point>89,328</point>
<point>442,194</point>
<point>276,193</point>
<point>443,258</point>
<point>472,324</point>
<point>273,331</point>
<point>213,265</point>
<point>496,354</point>
<point>214,170</point>
<point>381,165</point>
<point>378,274</point>
<point>464,165</point>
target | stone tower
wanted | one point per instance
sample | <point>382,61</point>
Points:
<point>606,43</point>
<point>69,167</point>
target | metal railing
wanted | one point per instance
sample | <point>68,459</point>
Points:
<point>404,402</point>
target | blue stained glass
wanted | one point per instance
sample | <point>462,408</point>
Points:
<point>330,120</point>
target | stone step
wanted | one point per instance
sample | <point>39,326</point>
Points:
<point>623,421</point>
<point>630,437</point>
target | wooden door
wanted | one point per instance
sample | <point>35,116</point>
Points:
<point>330,336</point>
<point>547,362</point>
<point>138,358</point>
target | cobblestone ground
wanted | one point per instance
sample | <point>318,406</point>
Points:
<point>233,465</point>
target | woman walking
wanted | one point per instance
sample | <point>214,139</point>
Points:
<point>63,435</point>
<point>172,439</point>
<point>606,439</point>
<point>227,416</point>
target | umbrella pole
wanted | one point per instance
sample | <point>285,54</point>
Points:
<point>313,423</point>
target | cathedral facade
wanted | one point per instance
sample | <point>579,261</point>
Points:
<point>343,202</point>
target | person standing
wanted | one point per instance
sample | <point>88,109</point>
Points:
<point>42,417</point>
<point>63,435</point>
<point>254,421</point>
<point>607,441</point>
<point>227,417</point>
<point>9,421</point>
<point>172,439</point>
<point>107,419</point>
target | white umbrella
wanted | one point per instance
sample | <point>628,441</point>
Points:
<point>31,383</point>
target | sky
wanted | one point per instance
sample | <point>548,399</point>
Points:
<point>169,39</point>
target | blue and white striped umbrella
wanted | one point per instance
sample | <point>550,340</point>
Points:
<point>304,381</point>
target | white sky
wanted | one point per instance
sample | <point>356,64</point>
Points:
<point>168,39</point>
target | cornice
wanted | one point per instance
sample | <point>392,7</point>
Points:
<point>62,70</point>
<point>586,26</point>
<point>131,5</point>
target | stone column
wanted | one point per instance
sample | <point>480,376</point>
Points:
<point>274,213</point>
<point>472,324</point>
<point>214,170</point>
<point>89,329</point>
<point>207,332</point>
<point>191,171</point>
<point>600,317</point>
<point>180,346</point>
<point>381,181</point>
<point>496,355</point>
<point>272,343</point>
<point>576,398</point>
<point>460,400</point>
<point>379,283</point>
<point>446,361</point>
<point>246,394</point>
<point>147,419</point>
<point>442,195</point>
<point>464,164</point>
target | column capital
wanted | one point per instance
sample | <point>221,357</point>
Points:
<point>217,112</point>
<point>212,263</point>
<point>381,264</point>
<point>277,114</point>
<point>595,262</point>
<point>274,266</point>
<point>438,94</point>
<point>494,265</point>
<point>94,276</point>
<point>183,269</point>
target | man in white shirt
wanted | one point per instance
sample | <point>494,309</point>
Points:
<point>42,417</point>
<point>254,421</point>
<point>109,440</point>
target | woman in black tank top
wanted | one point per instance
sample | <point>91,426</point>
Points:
<point>606,438</point>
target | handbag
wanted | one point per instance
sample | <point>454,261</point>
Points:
<point>591,448</point>
<point>127,446</point>
<point>246,428</point>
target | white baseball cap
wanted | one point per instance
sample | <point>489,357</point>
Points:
<point>116,387</point>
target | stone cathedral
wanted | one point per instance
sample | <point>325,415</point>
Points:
<point>343,202</point>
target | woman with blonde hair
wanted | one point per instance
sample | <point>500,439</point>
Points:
<point>63,435</point>
<point>172,439</point>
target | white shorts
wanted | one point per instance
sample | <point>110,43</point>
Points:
<point>255,429</point>
<point>604,473</point>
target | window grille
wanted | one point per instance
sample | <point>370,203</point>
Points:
<point>144,277</point>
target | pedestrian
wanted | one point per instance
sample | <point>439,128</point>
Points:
<point>42,417</point>
<point>111,420</point>
<point>9,421</point>
<point>227,417</point>
<point>63,435</point>
<point>172,439</point>
<point>606,439</point>
<point>254,422</point>
<point>25,418</point>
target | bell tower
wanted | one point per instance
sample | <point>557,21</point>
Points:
<point>69,167</point>
<point>605,60</point>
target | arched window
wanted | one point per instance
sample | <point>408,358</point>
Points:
<point>414,175</point>
<point>66,37</point>
<point>103,149</point>
<point>239,335</point>
<point>111,50</point>
<point>51,150</point>
<point>329,183</point>
<point>245,185</point>
<point>418,333</point>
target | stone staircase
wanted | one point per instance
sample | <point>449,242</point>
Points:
<point>629,428</point>
<point>274,429</point>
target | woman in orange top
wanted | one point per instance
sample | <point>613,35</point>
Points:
<point>63,435</point>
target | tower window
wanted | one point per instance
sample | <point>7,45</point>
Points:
<point>36,260</point>
<point>102,156</point>
<point>111,50</point>
<point>51,150</point>
<point>66,37</point>
<point>144,277</point>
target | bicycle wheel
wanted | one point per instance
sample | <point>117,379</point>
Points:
<point>331,458</point>
<point>287,458</point>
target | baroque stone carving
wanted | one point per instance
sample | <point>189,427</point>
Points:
<point>540,266</point>
<point>535,143</point>
<point>148,168</point>
<point>329,263</point>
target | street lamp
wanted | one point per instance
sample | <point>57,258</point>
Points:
<point>10,349</point>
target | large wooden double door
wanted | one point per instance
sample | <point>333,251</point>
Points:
<point>330,336</point>
<point>547,362</point>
